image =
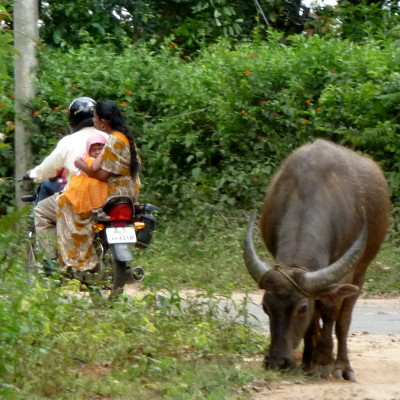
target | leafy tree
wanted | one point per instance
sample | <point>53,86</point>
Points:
<point>6,107</point>
<point>357,20</point>
<point>6,38</point>
<point>190,23</point>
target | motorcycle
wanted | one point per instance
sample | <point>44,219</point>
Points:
<point>119,227</point>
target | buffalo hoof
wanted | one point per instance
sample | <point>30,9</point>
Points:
<point>278,364</point>
<point>346,375</point>
<point>326,371</point>
<point>318,371</point>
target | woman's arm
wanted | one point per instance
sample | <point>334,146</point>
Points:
<point>100,174</point>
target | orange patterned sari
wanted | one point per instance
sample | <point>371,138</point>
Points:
<point>74,230</point>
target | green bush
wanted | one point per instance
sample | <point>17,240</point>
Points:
<point>55,342</point>
<point>213,128</point>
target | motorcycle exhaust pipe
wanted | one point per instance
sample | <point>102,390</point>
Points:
<point>137,273</point>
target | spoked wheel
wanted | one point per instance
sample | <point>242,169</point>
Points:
<point>32,265</point>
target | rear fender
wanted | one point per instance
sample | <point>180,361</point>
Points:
<point>121,251</point>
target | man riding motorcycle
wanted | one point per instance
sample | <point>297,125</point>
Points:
<point>81,126</point>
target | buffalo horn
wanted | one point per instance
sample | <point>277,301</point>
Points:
<point>254,265</point>
<point>316,280</point>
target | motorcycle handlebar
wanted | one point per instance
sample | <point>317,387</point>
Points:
<point>25,178</point>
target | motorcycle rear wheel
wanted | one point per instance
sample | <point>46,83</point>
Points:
<point>109,281</point>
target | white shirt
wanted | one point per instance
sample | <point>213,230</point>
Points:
<point>67,150</point>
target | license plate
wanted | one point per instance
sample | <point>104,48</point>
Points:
<point>121,235</point>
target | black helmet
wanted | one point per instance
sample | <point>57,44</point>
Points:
<point>80,109</point>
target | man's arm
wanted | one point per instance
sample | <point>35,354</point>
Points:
<point>49,166</point>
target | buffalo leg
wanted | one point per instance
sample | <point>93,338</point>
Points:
<point>342,365</point>
<point>323,355</point>
<point>310,341</point>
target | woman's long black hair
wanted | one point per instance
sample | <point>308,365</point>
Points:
<point>109,111</point>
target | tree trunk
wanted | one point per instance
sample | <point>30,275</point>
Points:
<point>26,37</point>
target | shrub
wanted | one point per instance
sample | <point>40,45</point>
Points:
<point>212,129</point>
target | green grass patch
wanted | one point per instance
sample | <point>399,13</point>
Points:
<point>202,252</point>
<point>383,274</point>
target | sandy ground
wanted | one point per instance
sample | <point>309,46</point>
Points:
<point>374,352</point>
<point>375,360</point>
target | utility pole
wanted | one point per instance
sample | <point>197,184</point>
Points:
<point>26,38</point>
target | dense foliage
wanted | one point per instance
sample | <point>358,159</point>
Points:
<point>191,23</point>
<point>213,128</point>
<point>194,23</point>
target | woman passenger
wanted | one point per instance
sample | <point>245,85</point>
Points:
<point>119,168</point>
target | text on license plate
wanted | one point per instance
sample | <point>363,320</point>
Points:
<point>121,235</point>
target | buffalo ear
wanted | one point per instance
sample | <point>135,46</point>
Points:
<point>337,292</point>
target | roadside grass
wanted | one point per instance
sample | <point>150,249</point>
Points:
<point>171,340</point>
<point>202,252</point>
<point>207,254</point>
<point>56,344</point>
<point>383,274</point>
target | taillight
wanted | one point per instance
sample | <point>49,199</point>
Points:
<point>121,212</point>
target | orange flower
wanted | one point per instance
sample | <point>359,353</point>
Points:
<point>57,108</point>
<point>307,121</point>
<point>263,101</point>
<point>36,113</point>
<point>302,126</point>
<point>185,57</point>
<point>248,72</point>
<point>171,46</point>
<point>255,55</point>
<point>1,105</point>
<point>308,101</point>
<point>255,180</point>
<point>123,104</point>
<point>276,115</point>
<point>243,111</point>
<point>333,69</point>
<point>73,84</point>
<point>129,92</point>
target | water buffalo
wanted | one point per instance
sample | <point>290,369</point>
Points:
<point>325,215</point>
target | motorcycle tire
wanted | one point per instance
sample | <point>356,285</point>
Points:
<point>119,279</point>
<point>110,280</point>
